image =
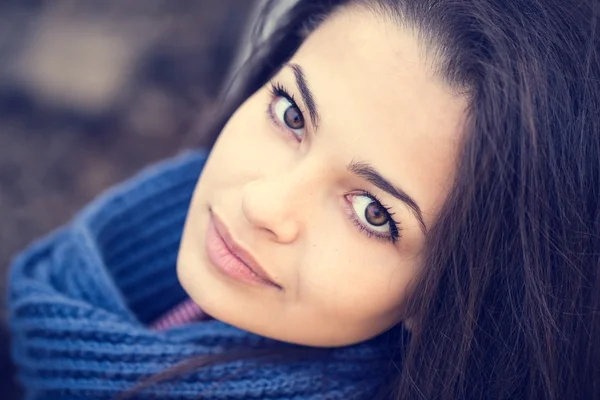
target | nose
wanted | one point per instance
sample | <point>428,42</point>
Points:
<point>272,205</point>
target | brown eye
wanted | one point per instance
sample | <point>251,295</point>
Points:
<point>372,217</point>
<point>293,118</point>
<point>288,116</point>
<point>372,214</point>
<point>375,214</point>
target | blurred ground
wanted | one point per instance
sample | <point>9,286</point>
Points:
<point>91,92</point>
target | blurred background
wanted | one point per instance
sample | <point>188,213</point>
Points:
<point>92,91</point>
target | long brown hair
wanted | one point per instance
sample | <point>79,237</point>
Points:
<point>508,304</point>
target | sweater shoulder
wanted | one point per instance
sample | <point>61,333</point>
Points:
<point>153,185</point>
<point>95,259</point>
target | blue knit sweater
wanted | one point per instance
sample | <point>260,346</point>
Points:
<point>81,299</point>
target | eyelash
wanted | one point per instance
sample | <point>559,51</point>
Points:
<point>277,90</point>
<point>395,228</point>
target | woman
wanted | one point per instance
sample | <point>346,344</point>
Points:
<point>402,203</point>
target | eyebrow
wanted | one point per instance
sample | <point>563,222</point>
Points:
<point>369,173</point>
<point>307,96</point>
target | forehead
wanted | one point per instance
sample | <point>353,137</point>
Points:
<point>381,102</point>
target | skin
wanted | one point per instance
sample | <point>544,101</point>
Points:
<point>288,197</point>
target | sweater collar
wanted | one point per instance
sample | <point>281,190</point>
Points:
<point>131,236</point>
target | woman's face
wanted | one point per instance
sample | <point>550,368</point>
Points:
<point>326,180</point>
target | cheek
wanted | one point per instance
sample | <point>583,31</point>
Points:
<point>245,130</point>
<point>358,285</point>
<point>249,144</point>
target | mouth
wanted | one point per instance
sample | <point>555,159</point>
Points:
<point>231,258</point>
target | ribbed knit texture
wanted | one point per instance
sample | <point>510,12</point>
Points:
<point>80,302</point>
<point>184,313</point>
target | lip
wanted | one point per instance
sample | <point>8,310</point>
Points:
<point>231,258</point>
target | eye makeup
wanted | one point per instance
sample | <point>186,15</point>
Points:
<point>284,112</point>
<point>392,234</point>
